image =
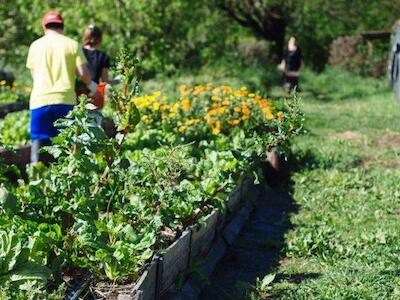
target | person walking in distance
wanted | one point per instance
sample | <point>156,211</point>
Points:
<point>290,65</point>
<point>55,61</point>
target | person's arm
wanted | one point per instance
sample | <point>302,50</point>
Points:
<point>84,74</point>
<point>282,65</point>
<point>104,75</point>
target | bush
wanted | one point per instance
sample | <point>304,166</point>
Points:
<point>355,54</point>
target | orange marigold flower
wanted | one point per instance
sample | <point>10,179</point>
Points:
<point>185,104</point>
<point>217,128</point>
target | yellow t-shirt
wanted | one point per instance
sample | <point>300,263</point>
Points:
<point>54,59</point>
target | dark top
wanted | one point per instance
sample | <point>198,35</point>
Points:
<point>292,59</point>
<point>97,60</point>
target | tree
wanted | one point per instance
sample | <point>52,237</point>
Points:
<point>267,19</point>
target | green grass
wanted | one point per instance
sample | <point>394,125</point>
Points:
<point>345,243</point>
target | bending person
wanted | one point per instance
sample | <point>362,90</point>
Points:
<point>55,62</point>
<point>98,64</point>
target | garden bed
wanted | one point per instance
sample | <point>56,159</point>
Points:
<point>204,243</point>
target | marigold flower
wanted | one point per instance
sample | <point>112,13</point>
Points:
<point>268,113</point>
<point>208,119</point>
<point>234,121</point>
<point>185,104</point>
<point>226,89</point>
<point>156,106</point>
<point>217,128</point>
<point>280,116</point>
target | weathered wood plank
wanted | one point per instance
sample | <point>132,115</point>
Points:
<point>19,157</point>
<point>193,287</point>
<point>203,235</point>
<point>7,108</point>
<point>234,200</point>
<point>232,230</point>
<point>176,260</point>
<point>145,288</point>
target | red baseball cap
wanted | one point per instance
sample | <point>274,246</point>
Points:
<point>52,17</point>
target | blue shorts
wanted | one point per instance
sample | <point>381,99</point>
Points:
<point>43,118</point>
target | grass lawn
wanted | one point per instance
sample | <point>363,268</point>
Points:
<point>345,241</point>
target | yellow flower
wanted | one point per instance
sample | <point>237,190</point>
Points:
<point>226,89</point>
<point>164,107</point>
<point>156,106</point>
<point>245,109</point>
<point>208,119</point>
<point>185,104</point>
<point>268,113</point>
<point>241,93</point>
<point>174,108</point>
<point>215,98</point>
<point>198,89</point>
<point>225,102</point>
<point>217,128</point>
<point>237,109</point>
<point>191,122</point>
<point>221,110</point>
<point>181,128</point>
<point>280,116</point>
<point>3,82</point>
<point>14,84</point>
<point>234,121</point>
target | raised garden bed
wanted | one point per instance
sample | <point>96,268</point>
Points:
<point>169,273</point>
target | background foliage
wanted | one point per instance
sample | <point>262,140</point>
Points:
<point>176,34</point>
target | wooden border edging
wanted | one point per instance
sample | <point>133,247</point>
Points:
<point>193,287</point>
<point>16,106</point>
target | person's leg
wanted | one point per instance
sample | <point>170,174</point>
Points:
<point>58,111</point>
<point>35,149</point>
<point>293,82</point>
<point>39,131</point>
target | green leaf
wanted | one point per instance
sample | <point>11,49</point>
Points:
<point>267,280</point>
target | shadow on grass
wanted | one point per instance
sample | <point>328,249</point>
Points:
<point>257,250</point>
<point>260,246</point>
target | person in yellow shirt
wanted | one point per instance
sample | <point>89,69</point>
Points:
<point>55,62</point>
